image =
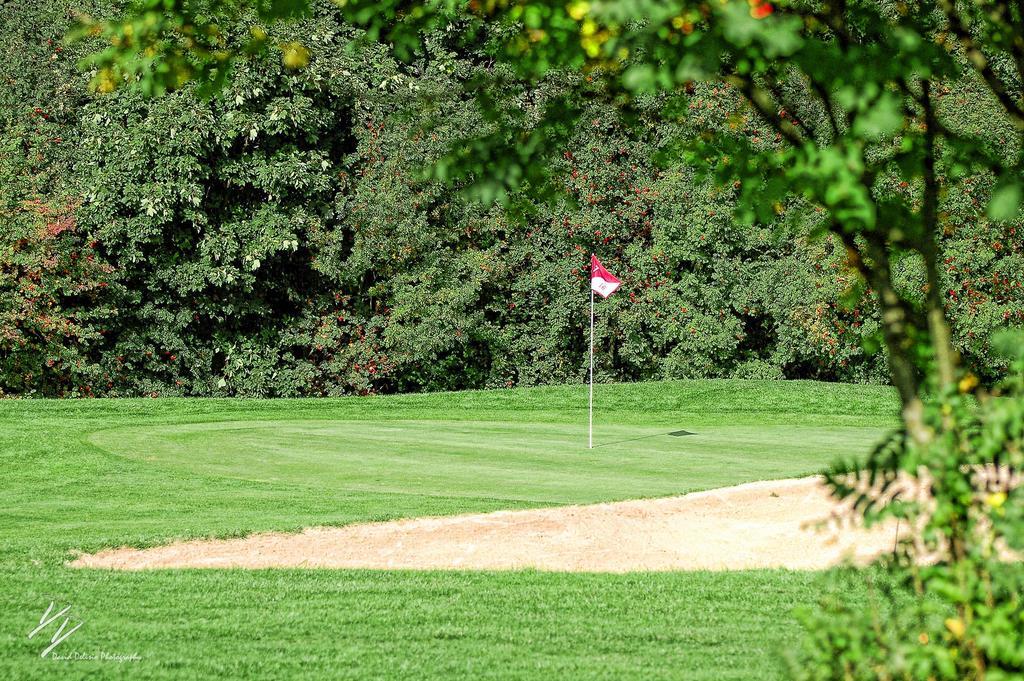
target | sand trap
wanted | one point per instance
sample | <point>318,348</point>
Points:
<point>757,525</point>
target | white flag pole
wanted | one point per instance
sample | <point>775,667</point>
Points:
<point>590,432</point>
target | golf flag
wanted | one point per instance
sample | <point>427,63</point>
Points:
<point>602,282</point>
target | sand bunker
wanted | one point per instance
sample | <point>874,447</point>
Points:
<point>757,525</point>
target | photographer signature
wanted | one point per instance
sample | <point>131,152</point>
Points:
<point>60,635</point>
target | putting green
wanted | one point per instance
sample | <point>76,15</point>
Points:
<point>531,462</point>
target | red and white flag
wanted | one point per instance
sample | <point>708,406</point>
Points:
<point>602,282</point>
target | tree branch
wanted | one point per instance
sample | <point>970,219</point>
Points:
<point>826,101</point>
<point>897,320</point>
<point>980,63</point>
<point>937,324</point>
<point>764,105</point>
<point>1017,34</point>
<point>776,90</point>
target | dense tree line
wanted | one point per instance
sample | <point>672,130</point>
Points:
<point>283,238</point>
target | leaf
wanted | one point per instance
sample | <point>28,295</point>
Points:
<point>782,38</point>
<point>738,26</point>
<point>639,78</point>
<point>1009,343</point>
<point>883,117</point>
<point>1005,202</point>
<point>282,9</point>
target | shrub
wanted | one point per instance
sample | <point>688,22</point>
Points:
<point>951,607</point>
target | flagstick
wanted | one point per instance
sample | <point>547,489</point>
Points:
<point>590,434</point>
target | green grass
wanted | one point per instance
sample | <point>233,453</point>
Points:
<point>84,475</point>
<point>526,462</point>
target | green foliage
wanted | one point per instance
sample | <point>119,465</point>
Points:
<point>167,43</point>
<point>282,237</point>
<point>957,612</point>
<point>55,305</point>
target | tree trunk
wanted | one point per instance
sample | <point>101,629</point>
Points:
<point>938,325</point>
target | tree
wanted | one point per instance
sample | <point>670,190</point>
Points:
<point>863,147</point>
<point>853,93</point>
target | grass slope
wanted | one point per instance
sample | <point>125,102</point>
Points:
<point>83,475</point>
